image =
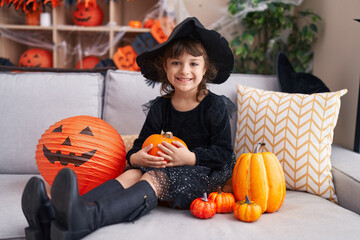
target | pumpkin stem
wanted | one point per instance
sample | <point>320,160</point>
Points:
<point>169,135</point>
<point>204,198</point>
<point>260,144</point>
<point>219,190</point>
<point>247,200</point>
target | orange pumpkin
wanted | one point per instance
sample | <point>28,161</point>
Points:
<point>135,24</point>
<point>88,62</point>
<point>91,15</point>
<point>247,211</point>
<point>261,177</point>
<point>149,23</point>
<point>36,57</point>
<point>156,139</point>
<point>203,207</point>
<point>224,201</point>
<point>125,58</point>
<point>88,145</point>
<point>162,28</point>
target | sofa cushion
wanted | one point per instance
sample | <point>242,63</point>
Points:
<point>297,128</point>
<point>31,102</point>
<point>125,93</point>
<point>124,111</point>
<point>302,216</point>
<point>346,172</point>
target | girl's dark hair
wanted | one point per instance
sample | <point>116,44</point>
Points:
<point>175,49</point>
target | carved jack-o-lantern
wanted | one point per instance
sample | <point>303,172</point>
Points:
<point>88,62</point>
<point>88,145</point>
<point>125,58</point>
<point>162,29</point>
<point>36,57</point>
<point>90,15</point>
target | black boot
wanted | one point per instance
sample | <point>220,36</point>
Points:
<point>37,209</point>
<point>77,218</point>
<point>107,188</point>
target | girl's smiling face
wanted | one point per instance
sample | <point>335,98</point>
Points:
<point>185,72</point>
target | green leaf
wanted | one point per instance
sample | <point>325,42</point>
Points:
<point>248,37</point>
<point>313,27</point>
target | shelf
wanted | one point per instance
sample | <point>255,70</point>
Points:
<point>64,36</point>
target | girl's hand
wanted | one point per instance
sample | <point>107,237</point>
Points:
<point>177,155</point>
<point>144,159</point>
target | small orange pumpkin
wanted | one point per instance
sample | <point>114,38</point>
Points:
<point>203,207</point>
<point>224,201</point>
<point>149,23</point>
<point>90,15</point>
<point>88,62</point>
<point>36,57</point>
<point>135,24</point>
<point>247,211</point>
<point>261,177</point>
<point>156,139</point>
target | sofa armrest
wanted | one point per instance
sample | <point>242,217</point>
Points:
<point>346,173</point>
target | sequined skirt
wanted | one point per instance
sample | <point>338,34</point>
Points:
<point>179,186</point>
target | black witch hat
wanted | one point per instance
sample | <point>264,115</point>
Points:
<point>215,45</point>
<point>292,82</point>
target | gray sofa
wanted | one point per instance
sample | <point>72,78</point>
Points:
<point>31,102</point>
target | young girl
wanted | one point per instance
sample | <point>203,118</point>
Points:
<point>191,57</point>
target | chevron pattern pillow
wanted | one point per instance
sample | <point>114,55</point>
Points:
<point>297,128</point>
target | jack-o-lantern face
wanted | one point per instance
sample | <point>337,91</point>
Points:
<point>90,15</point>
<point>36,57</point>
<point>162,28</point>
<point>125,58</point>
<point>88,145</point>
<point>71,157</point>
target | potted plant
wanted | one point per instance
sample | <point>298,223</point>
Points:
<point>280,27</point>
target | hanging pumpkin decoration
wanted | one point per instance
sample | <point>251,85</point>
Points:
<point>261,177</point>
<point>247,211</point>
<point>36,57</point>
<point>203,207</point>
<point>88,15</point>
<point>162,28</point>
<point>88,62</point>
<point>125,58</point>
<point>88,145</point>
<point>156,139</point>
<point>224,201</point>
<point>33,18</point>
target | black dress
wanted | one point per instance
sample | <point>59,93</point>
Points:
<point>206,131</point>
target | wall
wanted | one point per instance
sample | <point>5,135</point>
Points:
<point>337,51</point>
<point>337,58</point>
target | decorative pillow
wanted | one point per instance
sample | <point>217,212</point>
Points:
<point>129,141</point>
<point>297,128</point>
